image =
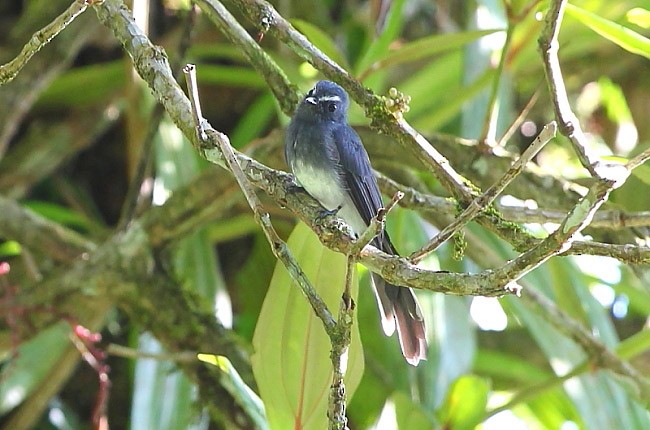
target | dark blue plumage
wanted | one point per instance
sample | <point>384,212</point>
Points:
<point>328,159</point>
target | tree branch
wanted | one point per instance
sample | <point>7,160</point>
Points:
<point>17,98</point>
<point>267,19</point>
<point>152,65</point>
<point>285,93</point>
<point>41,38</point>
<point>278,246</point>
<point>481,203</point>
<point>567,121</point>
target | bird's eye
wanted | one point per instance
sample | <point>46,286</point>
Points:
<point>310,93</point>
<point>331,107</point>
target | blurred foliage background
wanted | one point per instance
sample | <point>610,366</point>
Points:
<point>75,124</point>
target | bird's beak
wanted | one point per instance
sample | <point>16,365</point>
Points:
<point>311,100</point>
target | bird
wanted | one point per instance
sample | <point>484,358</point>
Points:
<point>329,161</point>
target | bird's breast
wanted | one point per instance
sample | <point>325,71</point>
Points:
<point>322,183</point>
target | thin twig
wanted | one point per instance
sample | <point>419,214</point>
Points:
<point>41,38</point>
<point>488,133</point>
<point>284,92</point>
<point>18,98</point>
<point>568,123</point>
<point>267,19</point>
<point>135,200</point>
<point>200,123</point>
<point>519,120</point>
<point>278,185</point>
<point>482,202</point>
<point>337,403</point>
<point>638,160</point>
<point>341,344</point>
<point>613,219</point>
<point>562,239</point>
<point>376,225</point>
<point>278,247</point>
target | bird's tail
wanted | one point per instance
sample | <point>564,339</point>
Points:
<point>399,309</point>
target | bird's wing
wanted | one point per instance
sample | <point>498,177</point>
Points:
<point>357,173</point>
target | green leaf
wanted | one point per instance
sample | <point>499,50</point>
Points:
<point>83,86</point>
<point>642,172</point>
<point>35,360</point>
<point>428,46</point>
<point>291,362</point>
<point>613,99</point>
<point>465,404</point>
<point>453,103</point>
<point>380,45</point>
<point>639,16</point>
<point>242,393</point>
<point>622,36</point>
<point>634,345</point>
<point>502,365</point>
<point>9,248</point>
<point>321,40</point>
<point>213,52</point>
<point>409,413</point>
<point>254,121</point>
<point>233,76</point>
<point>59,214</point>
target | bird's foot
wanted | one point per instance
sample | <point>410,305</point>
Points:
<point>326,213</point>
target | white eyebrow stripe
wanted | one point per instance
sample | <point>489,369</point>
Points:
<point>330,98</point>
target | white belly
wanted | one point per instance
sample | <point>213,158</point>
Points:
<point>325,186</point>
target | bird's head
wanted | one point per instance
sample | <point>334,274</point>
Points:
<point>326,101</point>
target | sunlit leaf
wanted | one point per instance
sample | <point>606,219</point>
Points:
<point>453,103</point>
<point>428,46</point>
<point>162,396</point>
<point>215,51</point>
<point>241,392</point>
<point>465,404</point>
<point>428,94</point>
<point>613,99</point>
<point>9,248</point>
<point>639,16</point>
<point>502,365</point>
<point>291,362</point>
<point>642,172</point>
<point>380,45</point>
<point>410,415</point>
<point>622,36</point>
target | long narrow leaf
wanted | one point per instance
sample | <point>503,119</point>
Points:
<point>428,46</point>
<point>380,45</point>
<point>627,39</point>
